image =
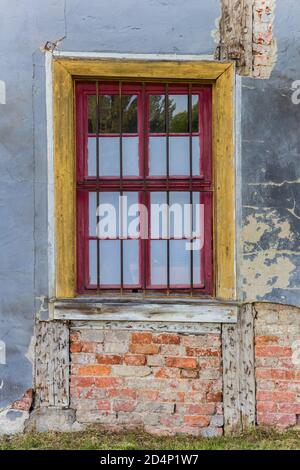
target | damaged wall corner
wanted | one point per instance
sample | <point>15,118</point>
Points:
<point>246,36</point>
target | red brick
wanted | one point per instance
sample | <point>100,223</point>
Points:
<point>75,347</point>
<point>106,382</point>
<point>189,373</point>
<point>166,373</point>
<point>195,420</point>
<point>203,352</point>
<point>135,360</point>
<point>25,402</point>
<point>104,405</point>
<point>74,336</point>
<point>214,396</point>
<point>205,409</point>
<point>276,397</point>
<point>124,405</point>
<point>144,348</point>
<point>276,419</point>
<point>82,381</point>
<point>141,337</point>
<point>151,395</point>
<point>263,340</point>
<point>109,359</point>
<point>266,407</point>
<point>275,374</point>
<point>273,351</point>
<point>121,393</point>
<point>167,338</point>
<point>181,362</point>
<point>94,370</point>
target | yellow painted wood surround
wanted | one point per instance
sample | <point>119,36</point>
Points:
<point>221,76</point>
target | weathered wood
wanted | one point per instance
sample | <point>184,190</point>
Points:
<point>238,372</point>
<point>224,186</point>
<point>236,34</point>
<point>221,75</point>
<point>52,364</point>
<point>170,327</point>
<point>144,69</point>
<point>147,312</point>
<point>65,182</point>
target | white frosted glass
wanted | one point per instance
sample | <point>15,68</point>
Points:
<point>109,156</point>
<point>130,156</point>
<point>179,263</point>
<point>158,214</point>
<point>157,156</point>
<point>158,262</point>
<point>131,262</point>
<point>92,214</point>
<point>110,262</point>
<point>179,156</point>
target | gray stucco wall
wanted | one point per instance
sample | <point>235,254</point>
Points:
<point>270,147</point>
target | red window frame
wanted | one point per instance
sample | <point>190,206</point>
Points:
<point>143,183</point>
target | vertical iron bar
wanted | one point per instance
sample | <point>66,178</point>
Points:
<point>145,133</point>
<point>168,174</point>
<point>190,111</point>
<point>121,182</point>
<point>97,194</point>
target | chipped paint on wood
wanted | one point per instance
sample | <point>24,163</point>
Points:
<point>52,364</point>
<point>238,372</point>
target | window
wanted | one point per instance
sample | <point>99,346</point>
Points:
<point>68,265</point>
<point>144,187</point>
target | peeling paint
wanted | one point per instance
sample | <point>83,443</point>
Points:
<point>267,263</point>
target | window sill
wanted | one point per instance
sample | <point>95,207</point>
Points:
<point>154,309</point>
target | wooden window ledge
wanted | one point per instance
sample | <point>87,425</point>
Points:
<point>154,309</point>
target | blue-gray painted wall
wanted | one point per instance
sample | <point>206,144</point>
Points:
<point>270,147</point>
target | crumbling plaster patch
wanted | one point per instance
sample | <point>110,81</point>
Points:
<point>245,34</point>
<point>267,258</point>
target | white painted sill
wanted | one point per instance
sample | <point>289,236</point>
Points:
<point>154,309</point>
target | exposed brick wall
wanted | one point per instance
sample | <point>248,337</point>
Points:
<point>264,45</point>
<point>277,358</point>
<point>168,383</point>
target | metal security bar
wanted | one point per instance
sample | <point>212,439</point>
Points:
<point>114,96</point>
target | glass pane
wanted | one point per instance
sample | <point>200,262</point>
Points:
<point>179,156</point>
<point>131,262</point>
<point>92,214</point>
<point>108,213</point>
<point>129,114</point>
<point>196,155</point>
<point>180,214</point>
<point>92,117</point>
<point>93,262</point>
<point>197,281</point>
<point>130,156</point>
<point>109,156</point>
<point>110,262</point>
<point>158,262</point>
<point>109,114</point>
<point>157,116</point>
<point>179,263</point>
<point>195,113</point>
<point>159,215</point>
<point>157,156</point>
<point>178,113</point>
<point>131,218</point>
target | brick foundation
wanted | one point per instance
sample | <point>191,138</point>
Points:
<point>168,377</point>
<point>277,360</point>
<point>165,382</point>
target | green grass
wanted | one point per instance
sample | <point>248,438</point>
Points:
<point>97,439</point>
